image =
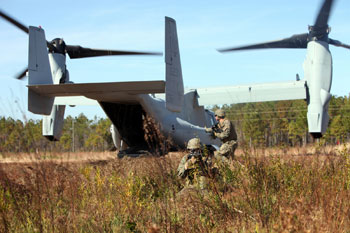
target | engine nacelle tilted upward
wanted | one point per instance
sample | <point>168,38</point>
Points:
<point>318,74</point>
<point>53,124</point>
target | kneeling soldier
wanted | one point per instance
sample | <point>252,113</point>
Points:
<point>195,166</point>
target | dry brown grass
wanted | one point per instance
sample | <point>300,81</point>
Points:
<point>277,190</point>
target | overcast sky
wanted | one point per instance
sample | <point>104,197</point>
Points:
<point>203,26</point>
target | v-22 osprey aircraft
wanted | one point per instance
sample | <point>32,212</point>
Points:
<point>138,112</point>
<point>140,119</point>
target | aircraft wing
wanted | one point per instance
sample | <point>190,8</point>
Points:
<point>252,93</point>
<point>119,92</point>
<point>75,100</point>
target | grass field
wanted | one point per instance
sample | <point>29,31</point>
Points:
<point>276,190</point>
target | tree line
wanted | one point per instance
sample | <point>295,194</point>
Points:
<point>284,123</point>
<point>78,134</point>
<point>265,124</point>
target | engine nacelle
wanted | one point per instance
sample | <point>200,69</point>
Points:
<point>318,73</point>
<point>53,124</point>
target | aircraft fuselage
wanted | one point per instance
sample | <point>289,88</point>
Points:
<point>176,127</point>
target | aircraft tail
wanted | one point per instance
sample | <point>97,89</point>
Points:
<point>174,87</point>
<point>39,72</point>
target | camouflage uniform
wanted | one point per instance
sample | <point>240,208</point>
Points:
<point>227,134</point>
<point>197,171</point>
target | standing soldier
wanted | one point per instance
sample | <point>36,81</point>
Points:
<point>226,132</point>
<point>195,166</point>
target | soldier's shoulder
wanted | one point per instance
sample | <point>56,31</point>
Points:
<point>227,122</point>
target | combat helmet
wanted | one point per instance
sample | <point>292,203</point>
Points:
<point>194,144</point>
<point>220,113</point>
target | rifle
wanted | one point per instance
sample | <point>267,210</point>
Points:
<point>199,159</point>
<point>195,154</point>
<point>215,127</point>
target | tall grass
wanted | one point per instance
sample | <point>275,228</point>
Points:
<point>273,192</point>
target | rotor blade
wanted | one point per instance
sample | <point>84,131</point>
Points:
<point>22,74</point>
<point>22,27</point>
<point>338,43</point>
<point>14,22</point>
<point>75,51</point>
<point>323,15</point>
<point>295,41</point>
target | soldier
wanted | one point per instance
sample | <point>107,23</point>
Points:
<point>194,167</point>
<point>226,132</point>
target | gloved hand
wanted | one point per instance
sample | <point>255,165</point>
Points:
<point>190,162</point>
<point>208,130</point>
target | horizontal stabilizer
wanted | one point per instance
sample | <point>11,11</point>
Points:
<point>109,92</point>
<point>252,93</point>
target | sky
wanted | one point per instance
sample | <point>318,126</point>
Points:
<point>203,27</point>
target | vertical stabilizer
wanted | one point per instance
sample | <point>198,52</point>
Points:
<point>39,72</point>
<point>174,88</point>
